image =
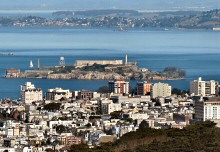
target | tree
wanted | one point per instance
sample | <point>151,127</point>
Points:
<point>99,112</point>
<point>115,114</point>
<point>130,120</point>
<point>79,148</point>
<point>144,124</point>
<point>49,150</point>
<point>60,129</point>
<point>88,125</point>
<point>103,89</point>
<point>52,106</point>
<point>157,103</point>
<point>177,91</point>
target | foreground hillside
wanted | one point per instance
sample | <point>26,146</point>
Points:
<point>202,136</point>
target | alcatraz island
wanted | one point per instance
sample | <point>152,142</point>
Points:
<point>97,70</point>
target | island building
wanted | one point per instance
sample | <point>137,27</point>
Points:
<point>30,94</point>
<point>83,63</point>
<point>160,90</point>
<point>58,93</point>
<point>118,87</point>
<point>204,88</point>
<point>12,73</point>
<point>143,88</point>
<point>208,109</point>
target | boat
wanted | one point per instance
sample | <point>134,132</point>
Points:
<point>216,28</point>
<point>31,64</point>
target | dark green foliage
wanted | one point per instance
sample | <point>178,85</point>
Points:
<point>174,72</point>
<point>49,150</point>
<point>65,69</point>
<point>116,115</point>
<point>143,124</point>
<point>99,112</point>
<point>88,125</point>
<point>177,91</point>
<point>60,129</point>
<point>157,103</point>
<point>103,89</point>
<point>170,69</point>
<point>94,67</point>
<point>79,148</point>
<point>52,106</point>
<point>201,136</point>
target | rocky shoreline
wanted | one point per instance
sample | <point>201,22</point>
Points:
<point>99,72</point>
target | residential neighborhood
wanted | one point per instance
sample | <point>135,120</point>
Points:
<point>58,118</point>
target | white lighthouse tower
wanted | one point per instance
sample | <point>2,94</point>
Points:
<point>126,59</point>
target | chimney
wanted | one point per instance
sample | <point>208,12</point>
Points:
<point>38,63</point>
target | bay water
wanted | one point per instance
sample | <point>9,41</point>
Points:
<point>196,51</point>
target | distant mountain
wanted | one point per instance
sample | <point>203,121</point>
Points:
<point>122,18</point>
<point>110,4</point>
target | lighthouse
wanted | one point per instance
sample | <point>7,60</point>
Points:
<point>126,59</point>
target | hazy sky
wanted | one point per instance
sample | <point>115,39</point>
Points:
<point>102,4</point>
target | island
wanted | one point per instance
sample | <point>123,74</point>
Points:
<point>98,70</point>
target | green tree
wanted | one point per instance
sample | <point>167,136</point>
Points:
<point>103,89</point>
<point>143,124</point>
<point>177,91</point>
<point>79,148</point>
<point>60,129</point>
<point>52,106</point>
<point>115,114</point>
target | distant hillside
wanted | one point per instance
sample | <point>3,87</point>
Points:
<point>95,13</point>
<point>205,20</point>
<point>114,18</point>
<point>179,19</point>
<point>122,13</point>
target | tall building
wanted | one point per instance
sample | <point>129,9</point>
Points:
<point>118,86</point>
<point>57,94</point>
<point>143,88</point>
<point>203,88</point>
<point>160,90</point>
<point>85,95</point>
<point>208,109</point>
<point>30,94</point>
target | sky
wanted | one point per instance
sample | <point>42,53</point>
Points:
<point>109,4</point>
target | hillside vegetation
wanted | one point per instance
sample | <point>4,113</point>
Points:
<point>199,137</point>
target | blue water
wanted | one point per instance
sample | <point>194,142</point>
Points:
<point>198,52</point>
